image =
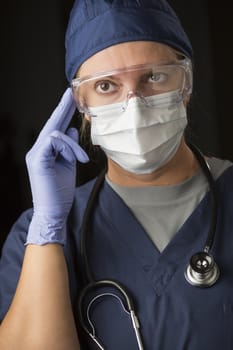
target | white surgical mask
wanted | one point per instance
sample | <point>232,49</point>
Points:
<point>145,136</point>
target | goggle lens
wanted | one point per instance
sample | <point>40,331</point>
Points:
<point>107,88</point>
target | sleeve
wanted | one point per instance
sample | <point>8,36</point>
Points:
<point>11,260</point>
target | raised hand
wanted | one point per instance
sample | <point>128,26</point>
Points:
<point>51,165</point>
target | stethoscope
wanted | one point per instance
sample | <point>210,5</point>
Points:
<point>201,271</point>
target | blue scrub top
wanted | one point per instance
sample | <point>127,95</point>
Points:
<point>172,313</point>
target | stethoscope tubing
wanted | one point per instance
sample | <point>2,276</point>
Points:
<point>128,307</point>
<point>87,275</point>
<point>206,170</point>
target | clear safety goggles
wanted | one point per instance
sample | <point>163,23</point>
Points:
<point>119,85</point>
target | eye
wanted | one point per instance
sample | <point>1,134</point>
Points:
<point>106,87</point>
<point>157,77</point>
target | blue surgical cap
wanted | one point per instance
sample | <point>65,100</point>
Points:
<point>97,24</point>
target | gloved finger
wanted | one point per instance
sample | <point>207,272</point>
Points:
<point>73,134</point>
<point>61,116</point>
<point>79,153</point>
<point>63,149</point>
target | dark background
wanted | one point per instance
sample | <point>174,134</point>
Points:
<point>33,80</point>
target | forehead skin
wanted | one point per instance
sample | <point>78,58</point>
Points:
<point>127,54</point>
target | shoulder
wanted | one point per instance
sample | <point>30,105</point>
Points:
<point>13,247</point>
<point>219,167</point>
<point>17,236</point>
<point>11,260</point>
<point>222,172</point>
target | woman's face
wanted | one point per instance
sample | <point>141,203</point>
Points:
<point>123,56</point>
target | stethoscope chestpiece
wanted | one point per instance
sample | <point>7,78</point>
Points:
<point>202,270</point>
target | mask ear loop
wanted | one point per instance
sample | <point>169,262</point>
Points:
<point>188,81</point>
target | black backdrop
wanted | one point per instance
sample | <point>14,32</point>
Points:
<point>33,80</point>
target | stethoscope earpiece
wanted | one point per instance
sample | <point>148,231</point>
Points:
<point>202,270</point>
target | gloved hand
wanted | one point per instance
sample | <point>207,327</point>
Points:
<point>51,165</point>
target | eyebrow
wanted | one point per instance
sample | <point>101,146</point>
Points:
<point>102,74</point>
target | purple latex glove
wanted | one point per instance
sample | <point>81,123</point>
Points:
<point>51,165</point>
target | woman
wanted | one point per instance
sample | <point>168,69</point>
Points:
<point>129,65</point>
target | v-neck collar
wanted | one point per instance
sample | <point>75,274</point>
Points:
<point>158,267</point>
